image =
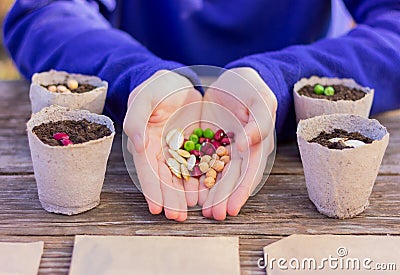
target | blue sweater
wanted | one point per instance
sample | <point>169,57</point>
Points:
<point>126,41</point>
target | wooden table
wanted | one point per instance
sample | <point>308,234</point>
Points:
<point>280,209</point>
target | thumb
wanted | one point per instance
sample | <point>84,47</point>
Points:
<point>135,122</point>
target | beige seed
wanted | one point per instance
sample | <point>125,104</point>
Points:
<point>184,153</point>
<point>204,167</point>
<point>176,156</point>
<point>185,172</point>
<point>218,165</point>
<point>52,88</point>
<point>174,166</point>
<point>209,182</point>
<point>211,173</point>
<point>205,158</point>
<point>225,159</point>
<point>215,156</point>
<point>221,151</point>
<point>61,88</point>
<point>72,84</point>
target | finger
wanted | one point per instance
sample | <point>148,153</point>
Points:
<point>252,171</point>
<point>191,191</point>
<point>180,194</point>
<point>170,198</point>
<point>203,191</point>
<point>224,187</point>
<point>149,181</point>
<point>207,206</point>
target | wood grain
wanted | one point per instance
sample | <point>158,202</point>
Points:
<point>281,208</point>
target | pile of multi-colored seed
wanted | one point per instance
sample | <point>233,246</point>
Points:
<point>203,152</point>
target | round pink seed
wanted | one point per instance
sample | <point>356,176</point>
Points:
<point>219,135</point>
<point>225,141</point>
<point>66,142</point>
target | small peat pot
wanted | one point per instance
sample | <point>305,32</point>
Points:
<point>74,91</point>
<point>318,96</point>
<point>341,156</point>
<point>69,150</point>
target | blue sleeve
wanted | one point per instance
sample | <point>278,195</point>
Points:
<point>73,36</point>
<point>369,53</point>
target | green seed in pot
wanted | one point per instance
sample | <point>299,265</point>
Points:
<point>194,138</point>
<point>319,89</point>
<point>329,91</point>
<point>189,145</point>
<point>198,132</point>
<point>208,133</point>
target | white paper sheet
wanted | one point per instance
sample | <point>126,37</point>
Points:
<point>333,254</point>
<point>155,255</point>
<point>20,258</point>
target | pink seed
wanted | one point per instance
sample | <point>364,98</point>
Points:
<point>201,140</point>
<point>225,141</point>
<point>207,140</point>
<point>66,142</point>
<point>219,135</point>
<point>216,144</point>
<point>60,136</point>
<point>196,153</point>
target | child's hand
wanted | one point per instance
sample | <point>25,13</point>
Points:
<point>149,107</point>
<point>253,105</point>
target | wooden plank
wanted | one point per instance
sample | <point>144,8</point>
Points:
<point>281,207</point>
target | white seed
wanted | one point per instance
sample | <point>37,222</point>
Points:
<point>170,134</point>
<point>67,91</point>
<point>61,88</point>
<point>52,88</point>
<point>333,140</point>
<point>204,167</point>
<point>183,153</point>
<point>205,158</point>
<point>354,143</point>
<point>185,172</point>
<point>176,141</point>
<point>72,84</point>
<point>177,157</point>
<point>191,162</point>
<point>215,156</point>
<point>175,167</point>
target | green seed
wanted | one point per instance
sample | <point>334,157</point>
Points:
<point>189,145</point>
<point>208,133</point>
<point>197,147</point>
<point>329,91</point>
<point>194,138</point>
<point>319,89</point>
<point>198,132</point>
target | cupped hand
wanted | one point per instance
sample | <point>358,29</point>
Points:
<point>239,101</point>
<point>150,106</point>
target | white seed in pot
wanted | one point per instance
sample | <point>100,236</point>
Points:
<point>52,88</point>
<point>354,143</point>
<point>185,172</point>
<point>175,167</point>
<point>170,134</point>
<point>183,153</point>
<point>72,84</point>
<point>333,140</point>
<point>176,141</point>
<point>61,88</point>
<point>176,156</point>
<point>191,162</point>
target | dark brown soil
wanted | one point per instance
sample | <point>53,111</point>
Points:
<point>324,137</point>
<point>82,88</point>
<point>78,131</point>
<point>341,93</point>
